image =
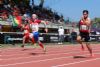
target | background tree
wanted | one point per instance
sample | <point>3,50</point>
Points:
<point>41,3</point>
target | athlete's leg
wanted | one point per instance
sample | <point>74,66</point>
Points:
<point>89,48</point>
<point>79,40</point>
<point>25,37</point>
<point>32,38</point>
<point>36,38</point>
<point>42,46</point>
<point>87,38</point>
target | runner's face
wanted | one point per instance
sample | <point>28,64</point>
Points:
<point>85,15</point>
<point>33,17</point>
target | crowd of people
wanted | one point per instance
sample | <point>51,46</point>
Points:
<point>9,7</point>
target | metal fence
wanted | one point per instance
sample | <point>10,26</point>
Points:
<point>16,37</point>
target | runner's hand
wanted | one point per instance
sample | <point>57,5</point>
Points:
<point>46,30</point>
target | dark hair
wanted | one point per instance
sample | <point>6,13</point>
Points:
<point>86,11</point>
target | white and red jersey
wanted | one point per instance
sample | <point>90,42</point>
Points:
<point>83,26</point>
<point>35,25</point>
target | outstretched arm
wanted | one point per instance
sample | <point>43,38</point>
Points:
<point>45,24</point>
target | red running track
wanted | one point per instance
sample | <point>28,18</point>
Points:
<point>56,56</point>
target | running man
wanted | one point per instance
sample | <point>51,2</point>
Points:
<point>84,29</point>
<point>34,24</point>
<point>27,35</point>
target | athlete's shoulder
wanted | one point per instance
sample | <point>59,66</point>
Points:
<point>38,21</point>
<point>88,19</point>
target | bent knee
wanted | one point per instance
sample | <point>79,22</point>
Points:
<point>78,38</point>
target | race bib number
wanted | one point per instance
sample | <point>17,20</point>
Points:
<point>35,26</point>
<point>84,27</point>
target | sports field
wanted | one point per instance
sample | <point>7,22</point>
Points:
<point>55,56</point>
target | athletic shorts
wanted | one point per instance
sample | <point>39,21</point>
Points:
<point>27,35</point>
<point>85,36</point>
<point>36,36</point>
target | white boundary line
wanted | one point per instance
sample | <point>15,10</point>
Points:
<point>75,49</point>
<point>57,46</point>
<point>76,62</point>
<point>10,49</point>
<point>47,51</point>
<point>32,50</point>
<point>40,61</point>
<point>42,55</point>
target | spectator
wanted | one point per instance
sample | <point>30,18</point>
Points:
<point>61,35</point>
<point>24,8</point>
<point>73,36</point>
<point>4,16</point>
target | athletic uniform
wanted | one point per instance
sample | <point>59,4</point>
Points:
<point>27,32</point>
<point>35,34</point>
<point>35,27</point>
<point>84,31</point>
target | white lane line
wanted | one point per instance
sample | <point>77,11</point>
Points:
<point>64,52</point>
<point>18,58</point>
<point>35,50</point>
<point>32,48</point>
<point>38,61</point>
<point>76,62</point>
<point>47,51</point>
<point>13,48</point>
<point>43,55</point>
<point>58,46</point>
<point>75,49</point>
